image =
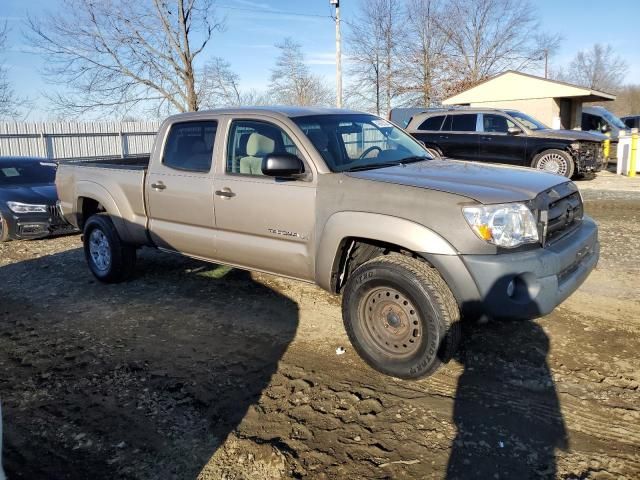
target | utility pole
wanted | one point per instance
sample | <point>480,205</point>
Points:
<point>338,55</point>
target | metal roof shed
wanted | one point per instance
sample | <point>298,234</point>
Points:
<point>558,104</point>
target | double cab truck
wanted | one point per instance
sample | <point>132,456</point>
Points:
<point>350,202</point>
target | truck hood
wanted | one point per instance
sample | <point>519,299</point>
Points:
<point>568,135</point>
<point>484,183</point>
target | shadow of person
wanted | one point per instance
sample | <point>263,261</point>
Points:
<point>143,379</point>
<point>506,407</point>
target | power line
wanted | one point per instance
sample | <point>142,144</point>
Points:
<point>272,12</point>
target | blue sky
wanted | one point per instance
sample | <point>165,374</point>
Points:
<point>252,31</point>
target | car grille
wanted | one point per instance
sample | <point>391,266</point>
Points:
<point>591,153</point>
<point>560,212</point>
<point>55,214</point>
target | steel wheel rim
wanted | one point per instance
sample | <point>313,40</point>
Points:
<point>100,250</point>
<point>391,322</point>
<point>553,163</point>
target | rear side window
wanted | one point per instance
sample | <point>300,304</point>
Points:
<point>189,146</point>
<point>432,123</point>
<point>461,123</point>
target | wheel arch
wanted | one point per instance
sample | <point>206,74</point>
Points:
<point>345,231</point>
<point>93,198</point>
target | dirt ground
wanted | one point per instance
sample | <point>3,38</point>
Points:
<point>192,370</point>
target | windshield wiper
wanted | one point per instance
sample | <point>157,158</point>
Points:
<point>413,159</point>
<point>372,166</point>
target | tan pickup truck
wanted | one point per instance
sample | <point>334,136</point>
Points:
<point>352,203</point>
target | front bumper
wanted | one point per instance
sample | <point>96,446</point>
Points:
<point>35,225</point>
<point>542,278</point>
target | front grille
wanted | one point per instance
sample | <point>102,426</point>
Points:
<point>55,214</point>
<point>560,212</point>
<point>591,154</point>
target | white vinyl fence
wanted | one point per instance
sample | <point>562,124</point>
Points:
<point>76,140</point>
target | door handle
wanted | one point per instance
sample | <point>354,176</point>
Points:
<point>444,137</point>
<point>489,139</point>
<point>158,186</point>
<point>225,193</point>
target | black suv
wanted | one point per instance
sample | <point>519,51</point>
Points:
<point>507,136</point>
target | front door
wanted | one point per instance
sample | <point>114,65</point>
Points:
<point>263,222</point>
<point>497,145</point>
<point>180,190</point>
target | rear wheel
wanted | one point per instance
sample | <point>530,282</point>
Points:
<point>109,259</point>
<point>401,316</point>
<point>4,230</point>
<point>555,161</point>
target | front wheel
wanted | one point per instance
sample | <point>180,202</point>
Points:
<point>400,316</point>
<point>555,161</point>
<point>109,259</point>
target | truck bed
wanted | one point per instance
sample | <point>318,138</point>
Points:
<point>138,162</point>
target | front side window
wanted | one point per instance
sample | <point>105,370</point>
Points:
<point>496,123</point>
<point>359,141</point>
<point>250,141</point>
<point>189,146</point>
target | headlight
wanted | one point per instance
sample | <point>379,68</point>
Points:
<point>17,207</point>
<point>506,225</point>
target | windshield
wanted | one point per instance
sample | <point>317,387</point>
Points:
<point>21,172</point>
<point>613,120</point>
<point>529,122</point>
<point>359,141</point>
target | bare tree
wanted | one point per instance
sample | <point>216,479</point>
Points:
<point>373,48</point>
<point>115,54</point>
<point>291,81</point>
<point>9,102</point>
<point>220,86</point>
<point>424,57</point>
<point>487,37</point>
<point>598,68</point>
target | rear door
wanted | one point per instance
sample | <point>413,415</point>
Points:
<point>497,145</point>
<point>263,223</point>
<point>179,190</point>
<point>458,138</point>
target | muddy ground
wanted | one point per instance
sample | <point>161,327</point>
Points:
<point>197,371</point>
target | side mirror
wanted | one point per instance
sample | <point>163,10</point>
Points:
<point>514,131</point>
<point>283,165</point>
<point>604,128</point>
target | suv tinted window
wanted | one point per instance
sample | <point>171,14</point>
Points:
<point>496,123</point>
<point>190,146</point>
<point>432,123</point>
<point>460,123</point>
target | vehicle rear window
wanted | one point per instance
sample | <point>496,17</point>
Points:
<point>27,173</point>
<point>432,123</point>
<point>190,146</point>
<point>461,123</point>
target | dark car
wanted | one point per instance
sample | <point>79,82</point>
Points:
<point>28,199</point>
<point>507,136</point>
<point>631,121</point>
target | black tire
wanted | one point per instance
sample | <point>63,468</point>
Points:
<point>121,261</point>
<point>4,230</point>
<point>414,327</point>
<point>555,161</point>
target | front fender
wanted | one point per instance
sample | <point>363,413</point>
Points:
<point>372,226</point>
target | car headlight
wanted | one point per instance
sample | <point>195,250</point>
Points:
<point>506,225</point>
<point>17,207</point>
